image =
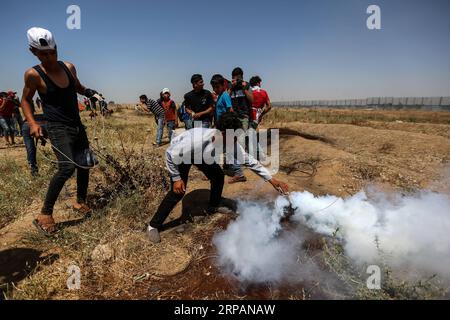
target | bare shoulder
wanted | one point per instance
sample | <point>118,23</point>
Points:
<point>31,75</point>
<point>70,65</point>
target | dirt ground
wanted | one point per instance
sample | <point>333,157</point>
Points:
<point>323,158</point>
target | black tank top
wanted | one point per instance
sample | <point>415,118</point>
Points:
<point>60,104</point>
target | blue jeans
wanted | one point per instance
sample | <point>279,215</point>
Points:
<point>18,122</point>
<point>159,130</point>
<point>7,126</point>
<point>188,123</point>
<point>28,140</point>
<point>170,128</point>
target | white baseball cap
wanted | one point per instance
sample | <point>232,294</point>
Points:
<point>41,39</point>
<point>165,90</point>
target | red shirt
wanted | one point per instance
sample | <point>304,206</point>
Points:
<point>8,108</point>
<point>260,98</point>
<point>171,109</point>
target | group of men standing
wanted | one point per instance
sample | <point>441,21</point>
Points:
<point>247,100</point>
<point>204,108</point>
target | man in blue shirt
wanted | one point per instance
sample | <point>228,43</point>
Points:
<point>224,103</point>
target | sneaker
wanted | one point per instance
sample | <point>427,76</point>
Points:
<point>153,235</point>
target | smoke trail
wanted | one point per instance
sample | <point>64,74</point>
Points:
<point>413,231</point>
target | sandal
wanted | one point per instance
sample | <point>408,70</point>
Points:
<point>45,224</point>
<point>237,179</point>
<point>83,209</point>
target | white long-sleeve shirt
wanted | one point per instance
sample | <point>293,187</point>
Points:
<point>200,145</point>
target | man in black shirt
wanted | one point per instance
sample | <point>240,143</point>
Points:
<point>199,102</point>
<point>58,85</point>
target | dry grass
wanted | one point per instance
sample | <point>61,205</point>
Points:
<point>355,117</point>
<point>393,286</point>
<point>18,188</point>
<point>125,189</point>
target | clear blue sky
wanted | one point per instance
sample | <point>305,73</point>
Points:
<point>311,49</point>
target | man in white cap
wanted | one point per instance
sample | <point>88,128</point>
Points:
<point>57,85</point>
<point>170,109</point>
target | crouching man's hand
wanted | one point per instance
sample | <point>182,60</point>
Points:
<point>179,187</point>
<point>280,186</point>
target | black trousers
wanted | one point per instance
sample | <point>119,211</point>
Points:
<point>69,140</point>
<point>215,175</point>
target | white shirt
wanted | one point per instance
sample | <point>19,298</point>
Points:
<point>201,145</point>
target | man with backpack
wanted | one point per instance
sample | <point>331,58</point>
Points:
<point>185,117</point>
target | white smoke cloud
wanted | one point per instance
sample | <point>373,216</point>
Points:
<point>413,232</point>
<point>252,248</point>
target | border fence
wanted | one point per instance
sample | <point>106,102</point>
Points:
<point>423,103</point>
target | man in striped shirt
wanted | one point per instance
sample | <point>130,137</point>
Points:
<point>160,116</point>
